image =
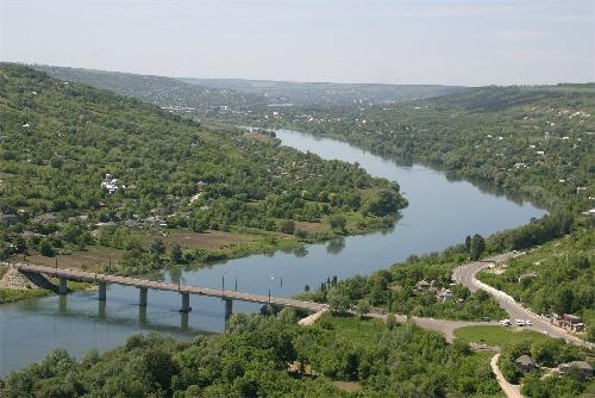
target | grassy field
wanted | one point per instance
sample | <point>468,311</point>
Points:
<point>211,241</point>
<point>86,260</point>
<point>496,335</point>
<point>11,295</point>
<point>352,327</point>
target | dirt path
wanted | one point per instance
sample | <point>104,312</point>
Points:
<point>511,390</point>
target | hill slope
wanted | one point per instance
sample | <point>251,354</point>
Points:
<point>60,141</point>
<point>172,94</point>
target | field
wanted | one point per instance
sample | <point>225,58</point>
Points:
<point>85,260</point>
<point>211,241</point>
<point>495,335</point>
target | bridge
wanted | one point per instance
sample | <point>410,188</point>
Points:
<point>229,296</point>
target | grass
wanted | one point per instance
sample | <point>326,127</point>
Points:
<point>352,328</point>
<point>11,295</point>
<point>496,335</point>
<point>88,259</point>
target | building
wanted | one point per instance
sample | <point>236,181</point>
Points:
<point>571,322</point>
<point>524,363</point>
<point>582,367</point>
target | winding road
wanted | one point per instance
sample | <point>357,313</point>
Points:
<point>466,275</point>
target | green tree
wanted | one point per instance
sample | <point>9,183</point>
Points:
<point>338,299</point>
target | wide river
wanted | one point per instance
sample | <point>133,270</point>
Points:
<point>440,213</point>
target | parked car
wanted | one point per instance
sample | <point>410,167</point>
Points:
<point>504,322</point>
<point>520,322</point>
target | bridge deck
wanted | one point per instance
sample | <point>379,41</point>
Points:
<point>145,283</point>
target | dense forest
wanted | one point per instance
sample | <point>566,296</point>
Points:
<point>82,167</point>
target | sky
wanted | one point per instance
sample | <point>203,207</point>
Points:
<point>471,43</point>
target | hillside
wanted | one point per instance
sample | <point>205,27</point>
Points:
<point>220,98</point>
<point>328,94</point>
<point>172,94</point>
<point>537,141</point>
<point>82,166</point>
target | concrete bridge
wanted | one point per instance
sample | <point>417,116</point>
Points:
<point>229,296</point>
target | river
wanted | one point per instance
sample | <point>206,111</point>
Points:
<point>440,213</point>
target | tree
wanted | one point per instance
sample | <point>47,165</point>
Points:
<point>46,249</point>
<point>338,299</point>
<point>287,227</point>
<point>157,247</point>
<point>175,254</point>
<point>363,307</point>
<point>477,246</point>
<point>338,222</point>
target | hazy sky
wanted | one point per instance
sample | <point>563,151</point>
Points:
<point>446,42</point>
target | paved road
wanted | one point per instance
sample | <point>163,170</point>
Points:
<point>466,275</point>
<point>511,390</point>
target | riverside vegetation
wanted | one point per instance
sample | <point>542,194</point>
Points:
<point>491,134</point>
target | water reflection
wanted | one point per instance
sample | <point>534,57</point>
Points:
<point>336,245</point>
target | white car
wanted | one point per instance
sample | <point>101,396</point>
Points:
<point>528,322</point>
<point>520,322</point>
<point>504,322</point>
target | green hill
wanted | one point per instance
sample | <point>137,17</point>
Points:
<point>83,166</point>
<point>173,94</point>
<point>325,94</point>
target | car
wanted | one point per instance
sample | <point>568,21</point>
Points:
<point>504,322</point>
<point>528,322</point>
<point>520,322</point>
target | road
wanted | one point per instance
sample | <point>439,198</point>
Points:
<point>511,390</point>
<point>466,275</point>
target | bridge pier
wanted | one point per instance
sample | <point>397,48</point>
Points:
<point>63,304</point>
<point>184,321</point>
<point>185,303</point>
<point>228,308</point>
<point>63,285</point>
<point>102,310</point>
<point>102,291</point>
<point>142,315</point>
<point>142,299</point>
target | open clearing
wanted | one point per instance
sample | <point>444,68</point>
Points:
<point>212,240</point>
<point>84,260</point>
<point>496,335</point>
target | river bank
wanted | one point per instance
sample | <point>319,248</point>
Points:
<point>440,214</point>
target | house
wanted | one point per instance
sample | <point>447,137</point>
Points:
<point>582,367</point>
<point>524,363</point>
<point>47,219</point>
<point>571,322</point>
<point>8,219</point>
<point>444,295</point>
<point>110,184</point>
<point>424,285</point>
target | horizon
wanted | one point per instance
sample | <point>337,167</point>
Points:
<point>180,78</point>
<point>450,43</point>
